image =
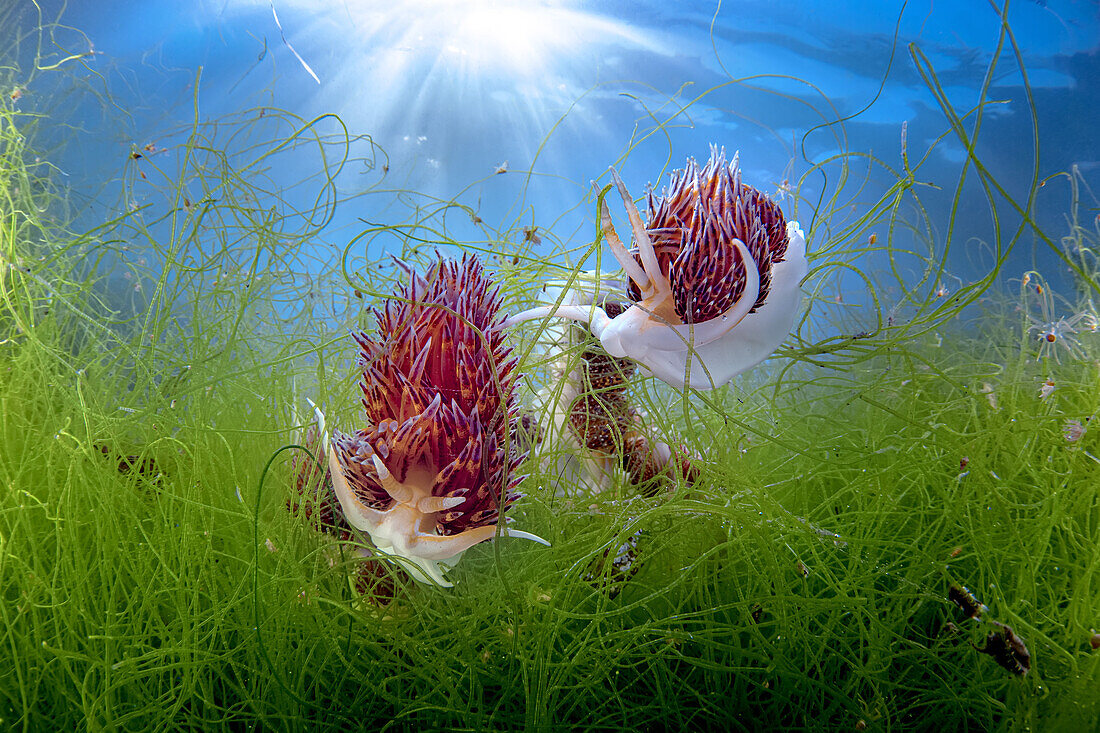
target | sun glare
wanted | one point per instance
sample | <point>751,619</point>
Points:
<point>490,37</point>
<point>430,77</point>
<point>516,37</point>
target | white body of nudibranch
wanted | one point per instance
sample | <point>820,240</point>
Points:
<point>715,279</point>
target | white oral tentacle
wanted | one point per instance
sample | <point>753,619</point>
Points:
<point>433,571</point>
<point>641,236</point>
<point>520,534</point>
<point>593,315</point>
<point>401,493</point>
<point>622,254</point>
<point>421,569</point>
<point>430,504</point>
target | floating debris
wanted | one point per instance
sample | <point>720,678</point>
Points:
<point>530,234</point>
<point>286,43</point>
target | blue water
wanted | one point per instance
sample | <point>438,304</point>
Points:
<point>453,91</point>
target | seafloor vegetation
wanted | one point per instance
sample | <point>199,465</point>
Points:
<point>894,525</point>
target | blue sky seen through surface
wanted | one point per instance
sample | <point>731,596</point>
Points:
<point>454,90</point>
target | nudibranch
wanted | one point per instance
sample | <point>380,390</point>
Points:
<point>604,420</point>
<point>714,278</point>
<point>590,410</point>
<point>435,470</point>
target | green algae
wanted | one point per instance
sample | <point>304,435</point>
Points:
<point>151,397</point>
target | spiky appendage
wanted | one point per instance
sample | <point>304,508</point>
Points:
<point>316,502</point>
<point>692,226</point>
<point>714,277</point>
<point>435,470</point>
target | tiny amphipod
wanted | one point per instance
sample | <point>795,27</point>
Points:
<point>714,278</point>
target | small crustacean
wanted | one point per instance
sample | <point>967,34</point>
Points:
<point>961,596</point>
<point>435,470</point>
<point>133,465</point>
<point>714,277</point>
